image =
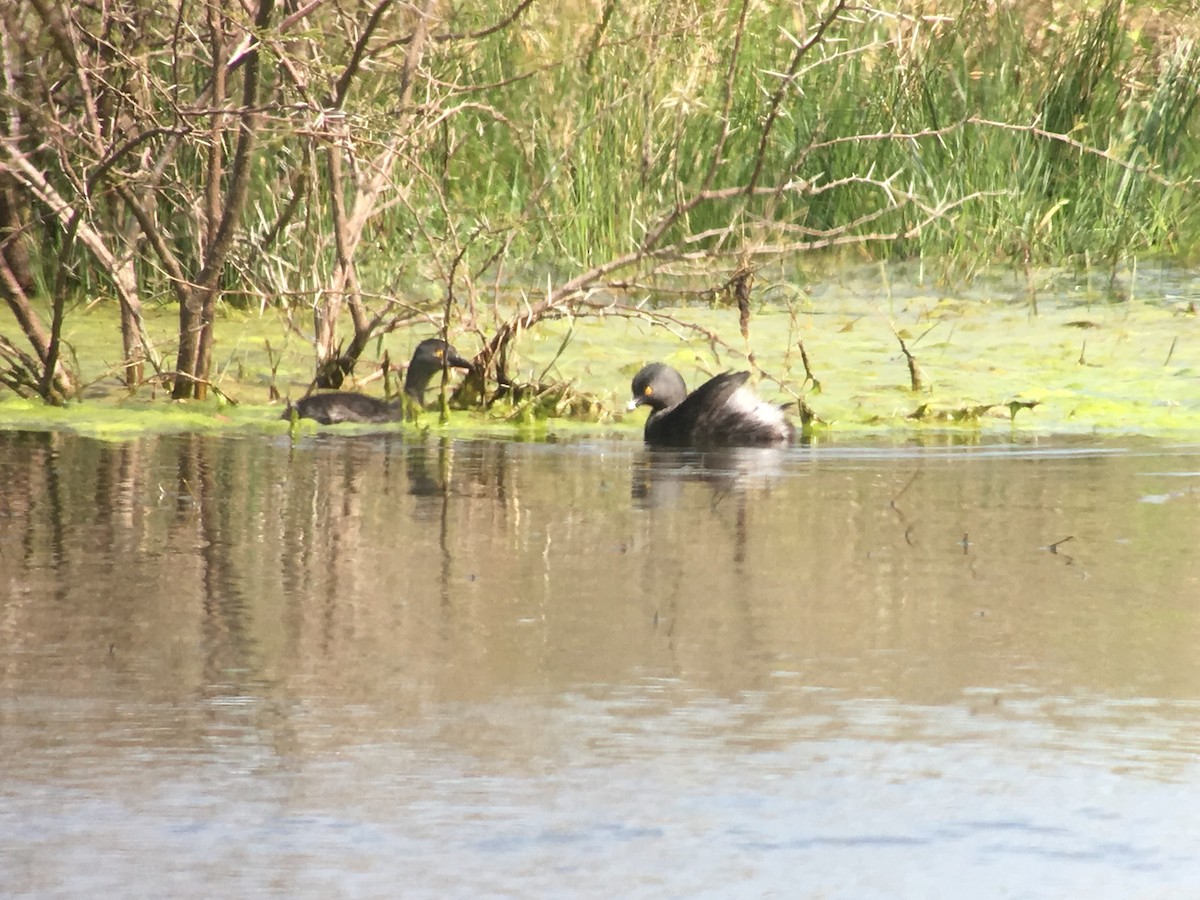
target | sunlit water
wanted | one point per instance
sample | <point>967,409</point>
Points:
<point>375,666</point>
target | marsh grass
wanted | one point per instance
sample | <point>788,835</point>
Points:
<point>1072,139</point>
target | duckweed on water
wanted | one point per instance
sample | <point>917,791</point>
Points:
<point>986,365</point>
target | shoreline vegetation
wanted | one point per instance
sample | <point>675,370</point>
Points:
<point>984,364</point>
<point>272,201</point>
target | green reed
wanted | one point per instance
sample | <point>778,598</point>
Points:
<point>1093,146</point>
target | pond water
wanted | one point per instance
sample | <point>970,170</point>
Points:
<point>379,665</point>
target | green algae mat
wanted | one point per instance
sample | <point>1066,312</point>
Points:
<point>860,363</point>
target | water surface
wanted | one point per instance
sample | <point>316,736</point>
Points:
<point>377,665</point>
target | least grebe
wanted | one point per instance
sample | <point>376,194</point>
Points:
<point>431,356</point>
<point>724,411</point>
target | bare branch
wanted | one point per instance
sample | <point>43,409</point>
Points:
<point>451,37</point>
<point>360,48</point>
<point>777,98</point>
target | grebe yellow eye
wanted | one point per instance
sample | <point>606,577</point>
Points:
<point>438,353</point>
<point>648,391</point>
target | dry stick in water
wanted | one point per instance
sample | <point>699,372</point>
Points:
<point>742,281</point>
<point>386,365</point>
<point>273,361</point>
<point>914,370</point>
<point>808,375</point>
<point>1053,548</point>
